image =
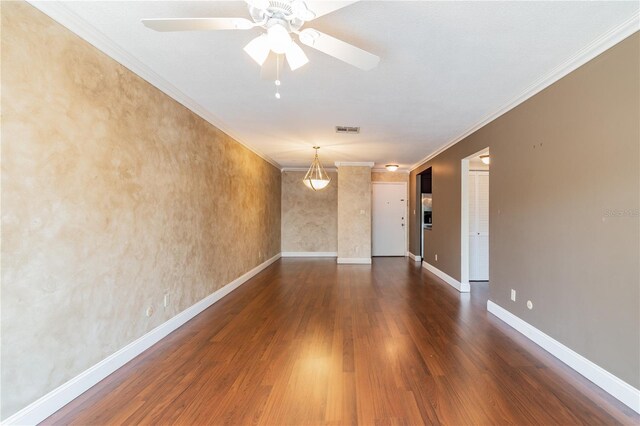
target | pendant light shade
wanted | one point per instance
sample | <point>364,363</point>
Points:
<point>316,178</point>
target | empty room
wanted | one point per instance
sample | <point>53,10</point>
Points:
<point>315,212</point>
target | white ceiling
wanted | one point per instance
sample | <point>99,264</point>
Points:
<point>445,67</point>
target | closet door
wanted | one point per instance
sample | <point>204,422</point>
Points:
<point>479,226</point>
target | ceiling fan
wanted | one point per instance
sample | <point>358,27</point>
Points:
<point>280,19</point>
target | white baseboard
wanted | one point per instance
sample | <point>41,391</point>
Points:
<point>461,287</point>
<point>614,386</point>
<point>45,406</point>
<point>414,257</point>
<point>355,260</point>
<point>309,254</point>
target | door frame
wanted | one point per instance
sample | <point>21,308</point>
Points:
<point>464,219</point>
<point>406,210</point>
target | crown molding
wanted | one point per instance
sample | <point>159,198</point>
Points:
<point>305,169</point>
<point>401,171</point>
<point>74,23</point>
<point>354,164</point>
<point>333,169</point>
<point>584,55</point>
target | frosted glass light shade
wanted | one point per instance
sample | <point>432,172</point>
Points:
<point>295,56</point>
<point>279,39</point>
<point>316,184</point>
<point>316,178</point>
<point>258,49</point>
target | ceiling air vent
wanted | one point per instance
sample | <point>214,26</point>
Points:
<point>347,129</point>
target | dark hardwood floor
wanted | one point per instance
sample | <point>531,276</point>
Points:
<point>311,342</point>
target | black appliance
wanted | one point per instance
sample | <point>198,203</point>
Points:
<point>427,218</point>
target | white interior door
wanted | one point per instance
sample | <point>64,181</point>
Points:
<point>479,226</point>
<point>389,219</point>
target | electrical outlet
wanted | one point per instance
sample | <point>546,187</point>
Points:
<point>166,300</point>
<point>529,304</point>
<point>436,257</point>
<point>513,295</point>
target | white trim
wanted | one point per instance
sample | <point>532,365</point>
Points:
<point>354,164</point>
<point>464,215</point>
<point>461,287</point>
<point>354,260</point>
<point>611,384</point>
<point>73,22</point>
<point>414,257</point>
<point>464,221</point>
<point>306,169</point>
<point>584,55</point>
<point>45,406</point>
<point>399,171</point>
<point>309,254</point>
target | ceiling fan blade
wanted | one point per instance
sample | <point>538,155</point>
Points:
<point>339,49</point>
<point>198,24</point>
<point>324,7</point>
<point>295,56</point>
<point>258,4</point>
<point>272,67</point>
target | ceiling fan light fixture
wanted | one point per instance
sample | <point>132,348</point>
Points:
<point>258,49</point>
<point>308,36</point>
<point>316,178</point>
<point>392,167</point>
<point>485,159</point>
<point>279,38</point>
<point>295,56</point>
<point>301,11</point>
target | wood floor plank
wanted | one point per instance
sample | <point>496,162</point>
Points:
<point>310,342</point>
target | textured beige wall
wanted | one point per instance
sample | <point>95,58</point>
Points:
<point>565,196</point>
<point>389,177</point>
<point>354,212</point>
<point>309,218</point>
<point>112,195</point>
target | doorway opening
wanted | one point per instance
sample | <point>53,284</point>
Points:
<point>424,185</point>
<point>388,219</point>
<point>474,232</point>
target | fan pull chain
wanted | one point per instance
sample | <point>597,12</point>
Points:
<point>277,77</point>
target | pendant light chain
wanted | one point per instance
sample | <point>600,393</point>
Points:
<point>277,77</point>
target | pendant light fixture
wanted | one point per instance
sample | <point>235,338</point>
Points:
<point>316,178</point>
